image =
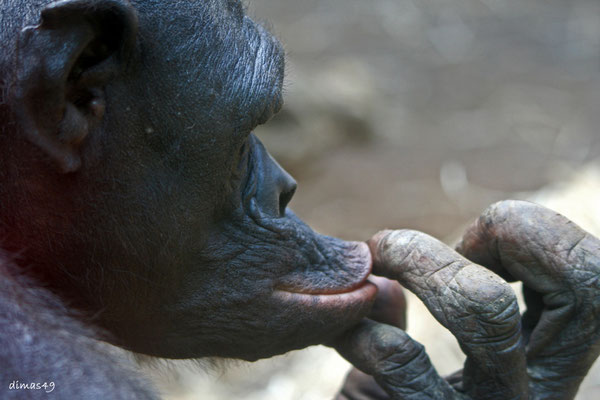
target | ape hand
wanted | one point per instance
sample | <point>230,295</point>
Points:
<point>544,355</point>
<point>389,308</point>
<point>559,265</point>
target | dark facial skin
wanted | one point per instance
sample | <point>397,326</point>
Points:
<point>168,220</point>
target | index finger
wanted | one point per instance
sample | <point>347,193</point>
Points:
<point>477,306</point>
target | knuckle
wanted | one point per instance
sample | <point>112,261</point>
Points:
<point>490,300</point>
<point>409,354</point>
<point>388,341</point>
<point>502,312</point>
<point>393,349</point>
<point>482,288</point>
<point>500,324</point>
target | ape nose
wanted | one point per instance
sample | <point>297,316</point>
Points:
<point>276,187</point>
<point>287,187</point>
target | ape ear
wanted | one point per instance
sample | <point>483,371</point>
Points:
<point>62,66</point>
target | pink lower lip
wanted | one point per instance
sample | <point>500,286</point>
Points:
<point>365,292</point>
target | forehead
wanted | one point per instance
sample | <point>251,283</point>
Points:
<point>212,53</point>
<point>158,10</point>
<point>195,25</point>
<point>204,36</point>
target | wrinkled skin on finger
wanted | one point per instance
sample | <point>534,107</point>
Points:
<point>399,364</point>
<point>477,306</point>
<point>389,308</point>
<point>485,322</point>
<point>390,302</point>
<point>558,265</point>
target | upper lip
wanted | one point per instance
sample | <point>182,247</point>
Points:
<point>334,290</point>
<point>331,291</point>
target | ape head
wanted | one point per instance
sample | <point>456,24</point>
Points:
<point>131,183</point>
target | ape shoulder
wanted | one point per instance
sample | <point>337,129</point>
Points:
<point>45,348</point>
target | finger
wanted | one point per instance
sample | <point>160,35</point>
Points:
<point>360,386</point>
<point>390,303</point>
<point>559,264</point>
<point>389,308</point>
<point>477,306</point>
<point>398,363</point>
<point>536,245</point>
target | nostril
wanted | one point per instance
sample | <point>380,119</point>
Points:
<point>284,199</point>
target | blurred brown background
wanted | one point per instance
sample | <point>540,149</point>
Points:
<point>418,114</point>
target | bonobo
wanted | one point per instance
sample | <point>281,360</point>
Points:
<point>137,208</point>
<point>133,189</point>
